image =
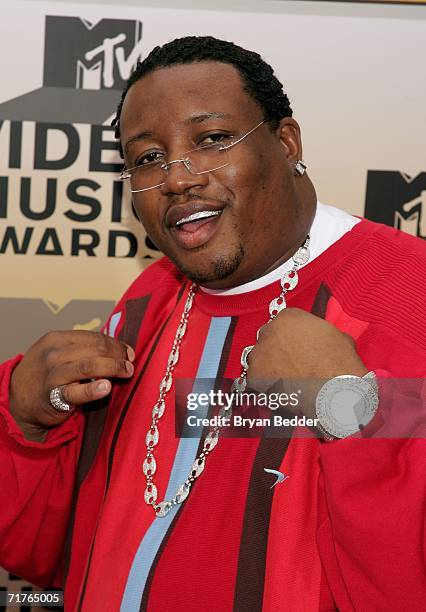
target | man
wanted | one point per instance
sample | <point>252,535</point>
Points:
<point>107,500</point>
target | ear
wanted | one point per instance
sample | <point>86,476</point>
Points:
<point>288,132</point>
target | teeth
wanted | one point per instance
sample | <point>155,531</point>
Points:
<point>203,214</point>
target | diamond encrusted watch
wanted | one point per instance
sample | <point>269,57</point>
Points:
<point>346,404</point>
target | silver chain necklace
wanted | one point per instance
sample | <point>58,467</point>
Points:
<point>288,282</point>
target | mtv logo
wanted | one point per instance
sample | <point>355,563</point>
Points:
<point>36,317</point>
<point>86,67</point>
<point>398,200</point>
<point>81,55</point>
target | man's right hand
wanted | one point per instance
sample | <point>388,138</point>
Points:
<point>70,358</point>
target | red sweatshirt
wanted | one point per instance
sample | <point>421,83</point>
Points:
<point>344,531</point>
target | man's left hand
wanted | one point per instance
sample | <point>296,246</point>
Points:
<point>296,347</point>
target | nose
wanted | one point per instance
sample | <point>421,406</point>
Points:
<point>179,179</point>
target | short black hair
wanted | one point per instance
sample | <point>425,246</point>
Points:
<point>258,76</point>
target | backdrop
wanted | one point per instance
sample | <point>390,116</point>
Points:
<point>69,242</point>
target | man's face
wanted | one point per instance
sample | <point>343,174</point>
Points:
<point>254,199</point>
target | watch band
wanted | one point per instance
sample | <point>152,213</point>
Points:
<point>324,434</point>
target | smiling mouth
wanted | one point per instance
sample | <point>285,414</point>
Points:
<point>202,214</point>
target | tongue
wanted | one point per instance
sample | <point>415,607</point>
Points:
<point>192,226</point>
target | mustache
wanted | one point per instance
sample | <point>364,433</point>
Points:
<point>191,197</point>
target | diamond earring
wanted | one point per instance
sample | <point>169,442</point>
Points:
<point>300,167</point>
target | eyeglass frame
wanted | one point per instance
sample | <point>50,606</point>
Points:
<point>184,161</point>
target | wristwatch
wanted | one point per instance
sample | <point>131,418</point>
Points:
<point>346,404</point>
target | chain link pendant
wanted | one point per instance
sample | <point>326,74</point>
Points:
<point>244,355</point>
<point>149,466</point>
<point>181,330</point>
<point>158,410</point>
<point>302,256</point>
<point>189,302</point>
<point>182,493</point>
<point>163,508</point>
<point>152,436</point>
<point>211,440</point>
<point>225,413</point>
<point>150,495</point>
<point>289,280</point>
<point>166,384</point>
<point>197,467</point>
<point>239,385</point>
<point>173,358</point>
<point>276,306</point>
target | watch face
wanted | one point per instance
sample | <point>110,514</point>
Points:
<point>346,404</point>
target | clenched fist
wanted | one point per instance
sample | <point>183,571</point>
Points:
<point>83,361</point>
<point>299,347</point>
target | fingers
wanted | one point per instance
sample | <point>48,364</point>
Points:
<point>91,367</point>
<point>58,345</point>
<point>66,359</point>
<point>77,394</point>
<point>74,357</point>
<point>98,369</point>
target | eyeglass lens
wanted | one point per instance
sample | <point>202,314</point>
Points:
<point>196,161</point>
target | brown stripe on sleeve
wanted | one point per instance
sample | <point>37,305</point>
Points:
<point>135,311</point>
<point>319,307</point>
